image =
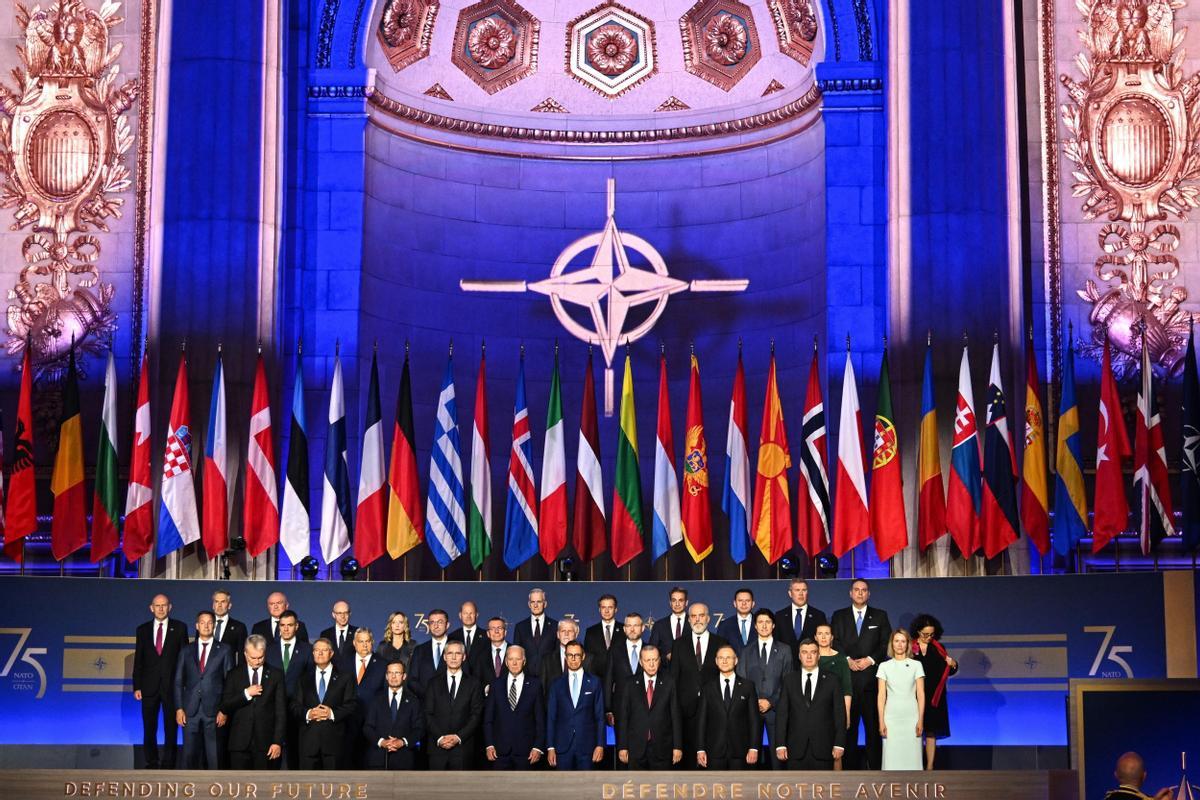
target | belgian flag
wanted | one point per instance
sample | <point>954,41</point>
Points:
<point>68,531</point>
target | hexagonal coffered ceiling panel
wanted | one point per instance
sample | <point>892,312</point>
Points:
<point>405,29</point>
<point>611,49</point>
<point>496,43</point>
<point>720,43</point>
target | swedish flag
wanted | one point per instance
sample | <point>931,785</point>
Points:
<point>1070,504</point>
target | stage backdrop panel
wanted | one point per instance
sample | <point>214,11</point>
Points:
<point>66,643</point>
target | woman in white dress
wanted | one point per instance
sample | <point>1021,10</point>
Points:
<point>901,704</point>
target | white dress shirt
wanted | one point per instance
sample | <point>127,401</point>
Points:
<point>327,672</point>
<point>221,624</point>
<point>398,695</point>
<point>703,644</point>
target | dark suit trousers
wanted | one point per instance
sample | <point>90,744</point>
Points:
<point>574,759</point>
<point>323,760</point>
<point>291,746</point>
<point>649,762</point>
<point>456,758</point>
<point>256,759</point>
<point>863,707</point>
<point>773,760</point>
<point>151,707</point>
<point>809,760</point>
<point>725,764</point>
<point>511,762</point>
<point>200,743</point>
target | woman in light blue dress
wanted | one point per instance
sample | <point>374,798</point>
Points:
<point>901,704</point>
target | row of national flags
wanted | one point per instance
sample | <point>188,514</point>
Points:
<point>983,505</point>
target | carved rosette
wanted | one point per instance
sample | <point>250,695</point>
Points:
<point>405,30</point>
<point>63,136</point>
<point>720,43</point>
<point>496,43</point>
<point>795,27</point>
<point>611,49</point>
<point>1134,140</point>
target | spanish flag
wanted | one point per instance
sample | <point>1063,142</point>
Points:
<point>1035,497</point>
<point>68,531</point>
<point>772,501</point>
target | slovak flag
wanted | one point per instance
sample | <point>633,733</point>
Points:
<point>178,522</point>
<point>965,496</point>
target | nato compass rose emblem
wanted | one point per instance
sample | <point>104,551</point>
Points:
<point>608,288</point>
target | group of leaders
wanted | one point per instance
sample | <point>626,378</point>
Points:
<point>679,696</point>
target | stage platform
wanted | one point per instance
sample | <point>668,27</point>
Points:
<point>982,785</point>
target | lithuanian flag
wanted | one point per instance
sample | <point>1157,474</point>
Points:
<point>628,527</point>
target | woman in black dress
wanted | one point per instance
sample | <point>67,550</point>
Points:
<point>398,644</point>
<point>939,666</point>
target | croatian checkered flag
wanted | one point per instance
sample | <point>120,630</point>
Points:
<point>178,521</point>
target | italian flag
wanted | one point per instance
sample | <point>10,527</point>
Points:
<point>552,521</point>
<point>479,520</point>
<point>106,503</point>
<point>628,527</point>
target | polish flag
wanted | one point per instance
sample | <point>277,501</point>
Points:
<point>851,520</point>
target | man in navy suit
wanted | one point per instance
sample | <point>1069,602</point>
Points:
<point>199,683</point>
<point>811,722</point>
<point>277,604</point>
<point>394,725</point>
<point>649,726</point>
<point>323,702</point>
<point>861,632</point>
<point>157,645</point>
<point>453,703</point>
<point>694,663</point>
<point>575,730</point>
<point>255,700</point>
<point>341,632</point>
<point>535,633</point>
<point>292,657</point>
<point>428,660</point>
<point>623,663</point>
<point>514,717</point>
<point>765,663</point>
<point>669,627</point>
<point>369,673</point>
<point>798,620</point>
<point>738,629</point>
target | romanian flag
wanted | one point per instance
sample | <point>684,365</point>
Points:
<point>697,516</point>
<point>772,501</point>
<point>406,523</point>
<point>1035,496</point>
<point>931,502</point>
<point>68,531</point>
<point>1070,503</point>
<point>628,527</point>
<point>20,517</point>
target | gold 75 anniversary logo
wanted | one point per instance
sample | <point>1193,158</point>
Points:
<point>22,678</point>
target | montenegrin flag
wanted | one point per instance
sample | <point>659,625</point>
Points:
<point>520,512</point>
<point>931,500</point>
<point>370,533</point>
<point>260,508</point>
<point>106,499</point>
<point>667,530</point>
<point>628,528</point>
<point>814,509</point>
<point>479,518</point>
<point>139,523</point>
<point>1111,510</point>
<point>1070,503</point>
<point>295,523</point>
<point>178,522</point>
<point>1035,496</point>
<point>552,514</point>
<point>68,529</point>
<point>445,513</point>
<point>889,523</point>
<point>406,521</point>
<point>215,505</point>
<point>735,495</point>
<point>697,516</point>
<point>587,526</point>
<point>965,496</point>
<point>20,518</point>
<point>851,519</point>
<point>772,500</point>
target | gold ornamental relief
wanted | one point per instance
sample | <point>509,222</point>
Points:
<point>1134,125</point>
<point>64,132</point>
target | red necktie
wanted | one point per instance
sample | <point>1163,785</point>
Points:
<point>158,638</point>
<point>203,656</point>
<point>650,692</point>
<point>678,627</point>
<point>498,662</point>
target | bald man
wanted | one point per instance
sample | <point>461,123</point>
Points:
<point>157,646</point>
<point>1131,774</point>
<point>268,628</point>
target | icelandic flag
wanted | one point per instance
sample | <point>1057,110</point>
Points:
<point>178,522</point>
<point>445,514</point>
<point>216,457</point>
<point>735,498</point>
<point>520,512</point>
<point>335,495</point>
<point>667,530</point>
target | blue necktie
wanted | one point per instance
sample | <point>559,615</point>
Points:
<point>321,687</point>
<point>574,688</point>
<point>633,659</point>
<point>744,632</point>
<point>395,705</point>
<point>437,656</point>
<point>798,623</point>
<point>858,624</point>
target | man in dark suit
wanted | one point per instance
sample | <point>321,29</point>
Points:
<point>453,704</point>
<point>693,664</point>
<point>472,637</point>
<point>157,645</point>
<point>341,632</point>
<point>277,603</point>
<point>798,620</point>
<point>730,731</point>
<point>600,638</point>
<point>487,662</point>
<point>228,631</point>
<point>861,633</point>
<point>666,629</point>
<point>764,663</point>
<point>324,700</point>
<point>535,633</point>
<point>738,629</point>
<point>293,658</point>
<point>255,703</point>
<point>555,662</point>
<point>514,717</point>
<point>428,658</point>
<point>394,724</point>
<point>575,716</point>
<point>624,663</point>
<point>199,683</point>
<point>649,726</point>
<point>369,674</point>
<point>811,718</point>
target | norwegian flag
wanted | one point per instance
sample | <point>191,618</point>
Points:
<point>812,515</point>
<point>1150,466</point>
<point>261,507</point>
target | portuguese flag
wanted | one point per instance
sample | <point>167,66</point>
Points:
<point>68,530</point>
<point>628,527</point>
<point>106,503</point>
<point>889,527</point>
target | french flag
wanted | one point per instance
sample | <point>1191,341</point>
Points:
<point>964,498</point>
<point>216,486</point>
<point>370,535</point>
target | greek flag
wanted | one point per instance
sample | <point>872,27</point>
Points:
<point>445,517</point>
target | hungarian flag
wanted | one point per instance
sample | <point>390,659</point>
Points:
<point>520,511</point>
<point>889,526</point>
<point>406,518</point>
<point>667,528</point>
<point>966,492</point>
<point>931,497</point>
<point>851,519</point>
<point>106,502</point>
<point>772,500</point>
<point>295,523</point>
<point>814,509</point>
<point>552,514</point>
<point>370,534</point>
<point>139,524</point>
<point>1150,465</point>
<point>1000,523</point>
<point>735,494</point>
<point>1035,496</point>
<point>479,516</point>
<point>1112,450</point>
<point>697,517</point>
<point>587,523</point>
<point>335,489</point>
<point>1189,474</point>
<point>68,529</point>
<point>215,503</point>
<point>20,518</point>
<point>1070,503</point>
<point>628,529</point>
<point>178,520</point>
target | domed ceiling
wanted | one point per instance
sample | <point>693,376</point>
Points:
<point>574,61</point>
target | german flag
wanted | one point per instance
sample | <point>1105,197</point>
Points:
<point>68,531</point>
<point>405,523</point>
